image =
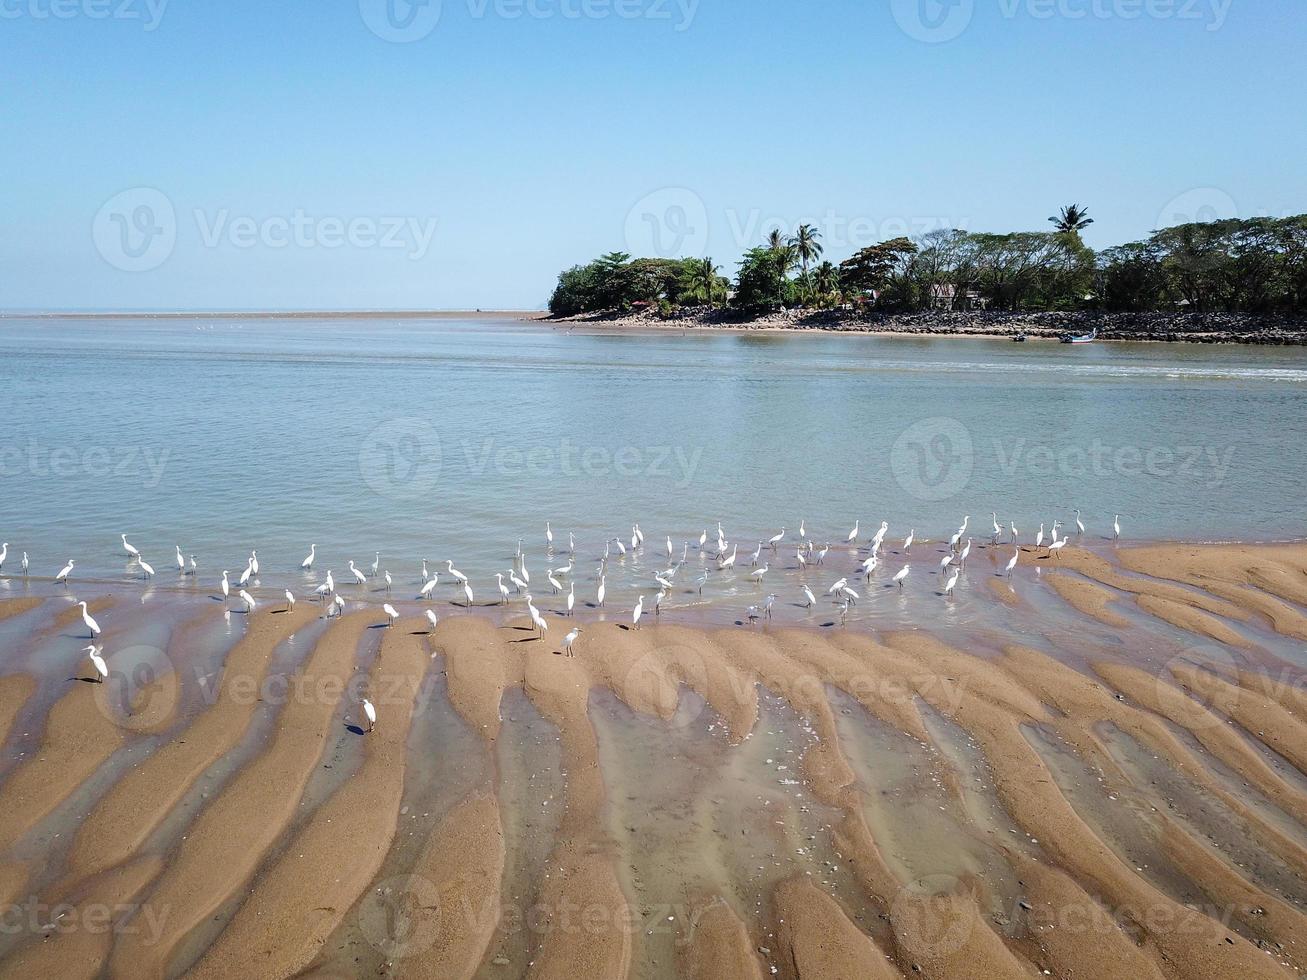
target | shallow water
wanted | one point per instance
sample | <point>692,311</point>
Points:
<point>451,439</point>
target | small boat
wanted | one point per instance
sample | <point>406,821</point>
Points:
<point>1087,338</point>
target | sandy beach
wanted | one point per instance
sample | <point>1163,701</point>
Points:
<point>1120,793</point>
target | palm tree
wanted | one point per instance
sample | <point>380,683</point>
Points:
<point>806,245</point>
<point>1072,219</point>
<point>826,279</point>
<point>775,240</point>
<point>701,279</point>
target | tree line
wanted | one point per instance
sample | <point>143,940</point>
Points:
<point>1250,265</point>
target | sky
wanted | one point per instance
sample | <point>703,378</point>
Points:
<point>457,154</point>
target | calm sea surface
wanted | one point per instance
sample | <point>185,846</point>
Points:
<point>452,439</point>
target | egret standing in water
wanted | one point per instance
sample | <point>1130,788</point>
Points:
<point>776,539</point>
<point>569,639</point>
<point>603,588</point>
<point>307,563</point>
<point>503,589</point>
<point>389,581</point>
<point>376,563</point>
<point>97,661</point>
<point>430,587</point>
<point>1080,525</point>
<point>370,713</point>
<point>907,542</point>
<point>637,613</point>
<point>811,600</point>
<point>756,576</point>
<point>181,560</point>
<point>952,583</point>
<point>248,600</point>
<point>1116,528</point>
<point>23,564</point>
<point>4,553</point>
<point>391,614</point>
<point>90,623</point>
<point>131,552</point>
<point>1012,562</point>
<point>901,575</point>
<point>571,597</point>
<point>147,570</point>
<point>65,572</point>
<point>467,594</point>
<point>325,589</point>
<point>853,535</point>
<point>359,577</point>
<point>462,579</point>
<point>226,587</point>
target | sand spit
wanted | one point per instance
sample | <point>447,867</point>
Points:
<point>904,803</point>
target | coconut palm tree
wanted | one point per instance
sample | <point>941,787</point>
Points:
<point>701,280</point>
<point>1072,219</point>
<point>826,280</point>
<point>806,245</point>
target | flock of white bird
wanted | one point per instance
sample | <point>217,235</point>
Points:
<point>716,550</point>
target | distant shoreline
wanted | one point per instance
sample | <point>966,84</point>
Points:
<point>1217,328</point>
<point>275,315</point>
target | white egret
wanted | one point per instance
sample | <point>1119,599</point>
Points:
<point>290,600</point>
<point>147,570</point>
<point>307,563</point>
<point>879,537</point>
<point>4,553</point>
<point>757,553</point>
<point>776,539</point>
<point>371,713</point>
<point>537,620</point>
<point>803,562</point>
<point>639,534</point>
<point>503,589</point>
<point>756,576</point>
<point>254,562</point>
<point>23,564</point>
<point>837,586</point>
<point>1012,562</point>
<point>962,559</point>
<point>659,596</point>
<point>1013,528</point>
<point>90,623</point>
<point>325,588</point>
<point>460,577</point>
<point>669,547</point>
<point>853,535</point>
<point>389,580</point>
<point>849,595</point>
<point>562,571</point>
<point>376,563</point>
<point>97,661</point>
<point>621,548</point>
<point>635,539</point>
<point>571,597</point>
<point>953,541</point>
<point>181,559</point>
<point>702,580</point>
<point>752,614</point>
<point>998,528</point>
<point>226,587</point>
<point>766,606</point>
<point>637,613</point>
<point>603,588</point>
<point>339,605</point>
<point>1055,549</point>
<point>359,577</point>
<point>803,530</point>
<point>569,639</point>
<point>433,619</point>
<point>1039,538</point>
<point>952,583</point>
<point>191,567</point>
<point>425,574</point>
<point>821,555</point>
<point>807,595</point>
<point>429,587</point>
<point>556,585</point>
<point>391,613</point>
<point>127,547</point>
<point>703,539</point>
<point>248,599</point>
<point>729,561</point>
<point>65,572</point>
<point>901,575</point>
<point>549,537</point>
<point>467,594</point>
<point>245,575</point>
<point>944,563</point>
<point>844,612</point>
<point>1116,528</point>
<point>521,567</point>
<point>1080,525</point>
<point>517,582</point>
<point>571,543</point>
<point>907,542</point>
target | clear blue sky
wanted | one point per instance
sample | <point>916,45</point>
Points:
<point>528,140</point>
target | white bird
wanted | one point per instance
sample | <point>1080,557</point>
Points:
<point>776,539</point>
<point>1116,528</point>
<point>23,564</point>
<point>639,535</point>
<point>517,582</point>
<point>571,597</point>
<point>752,614</point>
<point>1012,562</point>
<point>65,572</point>
<point>953,541</point>
<point>757,553</point>
<point>376,563</point>
<point>147,570</point>
<point>729,560</point>
<point>549,537</point>
<point>425,574</point>
<point>254,562</point>
<point>1039,538</point>
<point>191,567</point>
<point>1080,525</point>
<point>837,586</point>
<point>869,566</point>
<point>245,575</point>
<point>429,587</point>
<point>807,594</point>
<point>669,547</point>
<point>91,624</point>
<point>307,563</point>
<point>821,555</point>
<point>952,582</point>
<point>388,579</point>
<point>4,553</point>
<point>181,559</point>
<point>962,559</point>
<point>703,539</point>
<point>248,599</point>
<point>467,594</point>
<point>637,613</point>
<point>756,576</point>
<point>132,552</point>
<point>290,600</point>
<point>766,606</point>
<point>1055,549</point>
<point>853,535</point>
<point>326,588</point>
<point>1013,528</point>
<point>554,583</point>
<point>998,528</point>
<point>562,571</point>
<point>461,578</point>
<point>433,619</point>
<point>503,589</point>
<point>803,530</point>
<point>621,548</point>
<point>603,588</point>
<point>848,595</point>
<point>97,661</point>
<point>391,613</point>
<point>359,577</point>
<point>702,581</point>
<point>901,575</point>
<point>571,543</point>
<point>339,605</point>
<point>226,587</point>
<point>879,537</point>
<point>537,620</point>
<point>944,563</point>
<point>907,542</point>
<point>803,562</point>
<point>569,639</point>
<point>371,714</point>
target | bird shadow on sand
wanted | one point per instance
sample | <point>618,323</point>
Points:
<point>83,680</point>
<point>379,626</point>
<point>527,639</point>
<point>354,729</point>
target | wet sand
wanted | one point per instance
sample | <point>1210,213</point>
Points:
<point>1097,768</point>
